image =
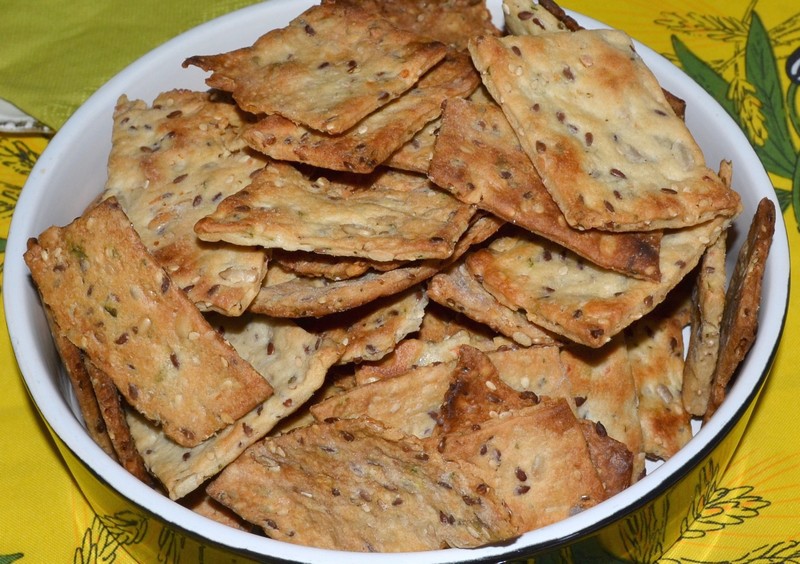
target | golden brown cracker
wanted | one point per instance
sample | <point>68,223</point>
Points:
<point>353,61</point>
<point>170,164</point>
<point>742,300</point>
<point>354,485</point>
<point>114,301</point>
<point>600,132</point>
<point>294,361</point>
<point>571,297</point>
<point>478,158</point>
<point>372,140</point>
<point>389,215</point>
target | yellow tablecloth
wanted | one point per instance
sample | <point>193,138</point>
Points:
<point>754,512</point>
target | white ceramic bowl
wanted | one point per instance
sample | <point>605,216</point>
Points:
<point>72,171</point>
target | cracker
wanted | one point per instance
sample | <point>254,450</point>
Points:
<point>655,352</point>
<point>535,372</point>
<point>453,22</point>
<point>412,353</point>
<point>170,164</point>
<point>478,158</point>
<point>287,296</point>
<point>442,322</point>
<point>353,61</point>
<point>294,362</point>
<point>742,301</point>
<point>113,412</point>
<point>372,331</point>
<point>387,216</point>
<point>605,393</point>
<point>203,504</point>
<point>114,301</point>
<point>611,458</point>
<point>315,265</point>
<point>524,17</point>
<point>409,401</point>
<point>475,395</point>
<point>75,367</point>
<point>373,139</point>
<point>354,485</point>
<point>708,303</point>
<point>535,369</point>
<point>415,154</point>
<point>573,298</point>
<point>600,131</point>
<point>537,460</point>
<point>457,289</point>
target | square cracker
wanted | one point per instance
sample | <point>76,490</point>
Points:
<point>600,132</point>
<point>528,17</point>
<point>742,301</point>
<point>171,163</point>
<point>112,299</point>
<point>354,485</point>
<point>373,139</point>
<point>388,215</point>
<point>294,362</point>
<point>531,451</point>
<point>478,158</point>
<point>564,294</point>
<point>351,59</point>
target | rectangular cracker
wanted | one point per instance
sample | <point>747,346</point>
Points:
<point>742,301</point>
<point>351,59</point>
<point>73,359</point>
<point>564,294</point>
<point>600,132</point>
<point>605,393</point>
<point>478,158</point>
<point>294,362</point>
<point>171,163</point>
<point>415,154</point>
<point>389,215</point>
<point>708,303</point>
<point>354,485</point>
<point>113,411</point>
<point>373,139</point>
<point>424,351</point>
<point>114,301</point>
<point>457,289</point>
<point>285,295</point>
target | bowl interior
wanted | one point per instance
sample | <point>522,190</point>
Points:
<point>72,171</point>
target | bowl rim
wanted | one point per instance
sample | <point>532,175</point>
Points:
<point>57,412</point>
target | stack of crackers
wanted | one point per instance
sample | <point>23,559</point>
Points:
<point>402,280</point>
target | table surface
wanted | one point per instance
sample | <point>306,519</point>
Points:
<point>754,515</point>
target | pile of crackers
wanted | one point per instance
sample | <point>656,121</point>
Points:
<point>403,280</point>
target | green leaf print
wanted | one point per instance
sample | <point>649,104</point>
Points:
<point>704,75</point>
<point>9,558</point>
<point>777,153</point>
